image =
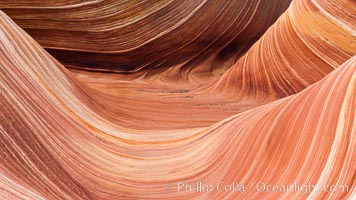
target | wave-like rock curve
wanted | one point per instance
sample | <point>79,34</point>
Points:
<point>307,42</point>
<point>147,37</point>
<point>73,137</point>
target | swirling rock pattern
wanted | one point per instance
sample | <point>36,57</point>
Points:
<point>284,113</point>
<point>147,37</point>
<point>298,50</point>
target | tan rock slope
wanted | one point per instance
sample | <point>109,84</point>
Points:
<point>282,115</point>
<point>148,37</point>
<point>307,42</point>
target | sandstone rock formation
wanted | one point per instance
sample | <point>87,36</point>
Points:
<point>95,106</point>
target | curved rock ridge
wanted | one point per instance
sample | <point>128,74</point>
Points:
<point>294,53</point>
<point>200,37</point>
<point>57,144</point>
<point>307,42</point>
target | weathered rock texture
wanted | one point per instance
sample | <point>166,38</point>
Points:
<point>166,112</point>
